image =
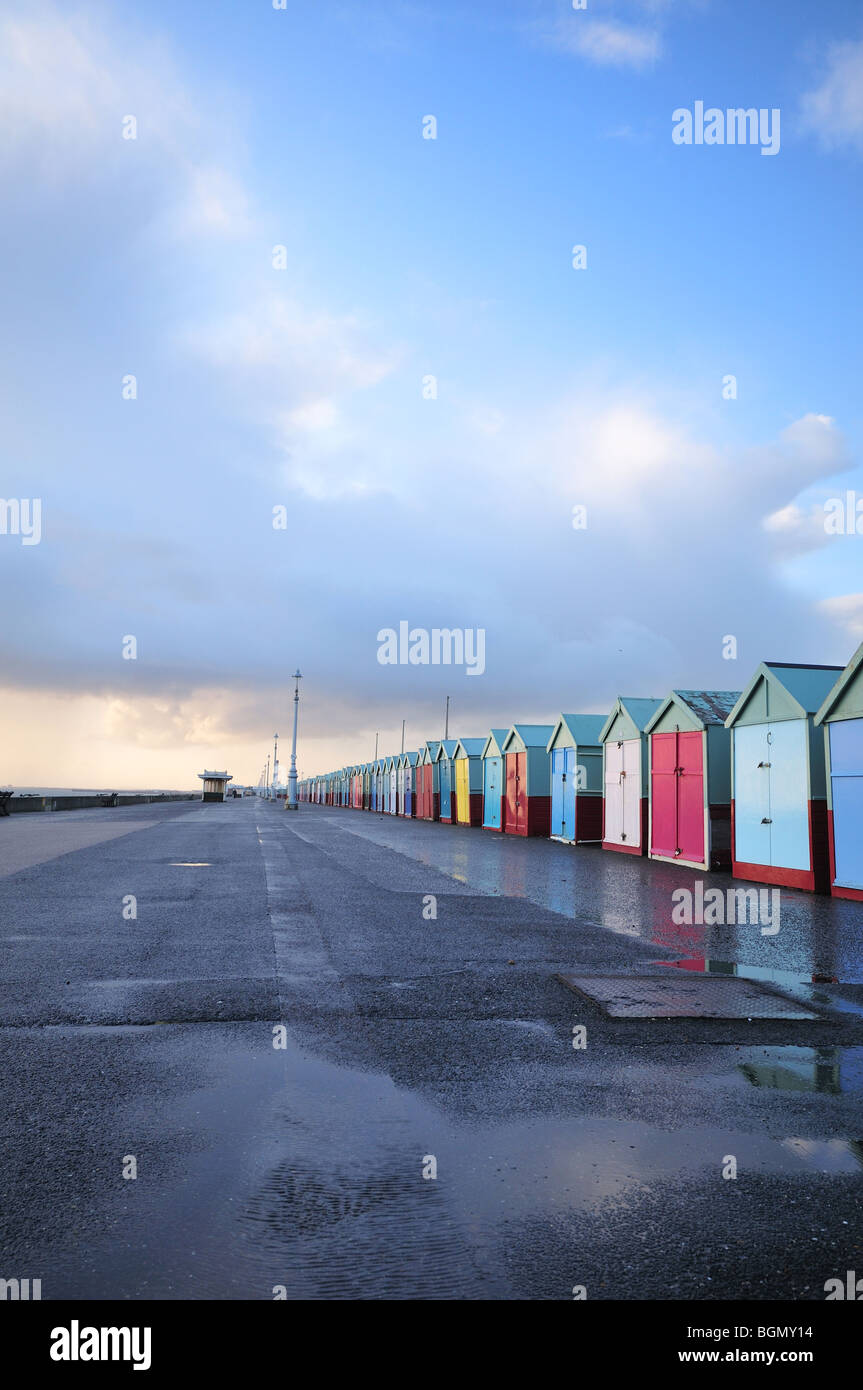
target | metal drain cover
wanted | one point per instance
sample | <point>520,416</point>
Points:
<point>657,996</point>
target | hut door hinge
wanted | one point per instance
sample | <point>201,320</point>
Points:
<point>765,764</point>
<point>766,820</point>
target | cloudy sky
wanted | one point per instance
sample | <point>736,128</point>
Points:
<point>282,261</point>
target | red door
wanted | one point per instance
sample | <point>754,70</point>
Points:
<point>515,811</point>
<point>677,796</point>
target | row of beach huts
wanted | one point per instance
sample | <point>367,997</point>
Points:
<point>767,782</point>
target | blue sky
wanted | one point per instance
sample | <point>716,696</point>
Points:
<point>406,257</point>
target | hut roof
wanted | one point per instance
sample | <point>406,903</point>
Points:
<point>708,706</point>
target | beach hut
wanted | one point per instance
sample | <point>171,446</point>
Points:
<point>842,717</point>
<point>429,802</point>
<point>214,785</point>
<point>527,768</point>
<point>400,784</point>
<point>690,778</point>
<point>778,779</point>
<point>392,802</point>
<point>446,780</point>
<point>367,786</point>
<point>467,761</point>
<point>409,772</point>
<point>576,778</point>
<point>626,775</point>
<point>493,780</point>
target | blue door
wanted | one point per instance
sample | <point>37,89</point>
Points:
<point>491,792</point>
<point>751,794</point>
<point>409,777</point>
<point>563,778</point>
<point>445,788</point>
<point>789,796</point>
<point>846,777</point>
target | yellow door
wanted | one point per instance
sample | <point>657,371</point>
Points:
<point>462,795</point>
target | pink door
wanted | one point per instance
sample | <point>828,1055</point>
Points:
<point>663,794</point>
<point>677,795</point>
<point>690,796</point>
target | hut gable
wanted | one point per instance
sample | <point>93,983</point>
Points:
<point>571,730</point>
<point>845,700</point>
<point>524,736</point>
<point>469,747</point>
<point>780,691</point>
<point>629,718</point>
<point>493,746</point>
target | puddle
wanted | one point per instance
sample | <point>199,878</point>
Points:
<point>831,1070</point>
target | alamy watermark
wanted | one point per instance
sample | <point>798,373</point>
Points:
<point>21,516</point>
<point>713,907</point>
<point>735,126</point>
<point>440,646</point>
<point>843,516</point>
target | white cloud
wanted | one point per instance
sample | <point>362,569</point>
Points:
<point>606,42</point>
<point>834,109</point>
<point>847,611</point>
<point>67,86</point>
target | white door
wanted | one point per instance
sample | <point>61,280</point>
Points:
<point>615,823</point>
<point>631,788</point>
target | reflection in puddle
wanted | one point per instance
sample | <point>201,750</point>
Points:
<point>827,1069</point>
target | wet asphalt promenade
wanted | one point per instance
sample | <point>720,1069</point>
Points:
<point>413,1044</point>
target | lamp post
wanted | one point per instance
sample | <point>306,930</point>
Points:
<point>267,793</point>
<point>275,764</point>
<point>291,798</point>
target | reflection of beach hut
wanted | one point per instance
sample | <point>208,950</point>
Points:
<point>626,775</point>
<point>409,772</point>
<point>446,780</point>
<point>842,716</point>
<point>690,778</point>
<point>429,807</point>
<point>778,781</point>
<point>215,784</point>
<point>527,807</point>
<point>467,761</point>
<point>576,778</point>
<point>493,780</point>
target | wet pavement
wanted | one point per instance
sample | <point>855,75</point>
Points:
<point>414,1045</point>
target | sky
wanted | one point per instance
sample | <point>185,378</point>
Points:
<point>283,371</point>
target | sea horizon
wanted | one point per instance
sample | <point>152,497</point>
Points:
<point>41,790</point>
